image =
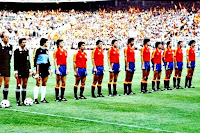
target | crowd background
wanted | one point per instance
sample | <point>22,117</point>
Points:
<point>159,21</point>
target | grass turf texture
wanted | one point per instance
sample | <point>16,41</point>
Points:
<point>167,111</point>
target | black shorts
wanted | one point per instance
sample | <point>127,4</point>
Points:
<point>5,72</point>
<point>23,74</point>
<point>43,70</point>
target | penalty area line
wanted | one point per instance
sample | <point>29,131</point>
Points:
<point>96,121</point>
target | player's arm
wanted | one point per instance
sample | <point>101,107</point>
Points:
<point>152,56</point>
<point>125,58</point>
<point>74,64</point>
<point>16,63</point>
<point>67,64</point>
<point>175,62</point>
<point>163,58</point>
<point>55,62</point>
<point>109,65</point>
<point>187,57</point>
<point>29,64</point>
<point>93,63</point>
<point>36,67</point>
<point>142,50</point>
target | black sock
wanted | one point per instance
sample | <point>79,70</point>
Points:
<point>158,84</point>
<point>178,81</point>
<point>165,84</point>
<point>174,82</point>
<point>57,93</point>
<point>145,87</point>
<point>129,88</point>
<point>5,93</point>
<point>125,88</point>
<point>92,90</point>
<point>109,89</point>
<point>81,91</point>
<point>153,85</point>
<point>186,81</point>
<point>23,94</point>
<point>75,91</point>
<point>142,87</point>
<point>114,89</point>
<point>99,90</point>
<point>17,92</point>
<point>190,82</point>
<point>62,92</point>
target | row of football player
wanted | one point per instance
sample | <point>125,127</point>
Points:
<point>42,67</point>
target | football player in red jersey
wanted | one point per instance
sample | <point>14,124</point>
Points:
<point>114,68</point>
<point>98,68</point>
<point>156,60</point>
<point>80,72</point>
<point>129,57</point>
<point>168,59</point>
<point>145,62</point>
<point>190,64</point>
<point>178,62</point>
<point>60,61</point>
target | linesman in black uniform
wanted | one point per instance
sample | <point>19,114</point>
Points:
<point>22,69</point>
<point>5,57</point>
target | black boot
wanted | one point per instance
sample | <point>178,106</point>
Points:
<point>92,92</point>
<point>115,90</point>
<point>167,85</point>
<point>75,93</point>
<point>153,86</point>
<point>186,82</point>
<point>142,88</point>
<point>99,91</point>
<point>63,94</point>
<point>174,82</point>
<point>81,93</point>
<point>125,88</point>
<point>109,90</point>
<point>57,99</point>
<point>190,83</point>
<point>145,88</point>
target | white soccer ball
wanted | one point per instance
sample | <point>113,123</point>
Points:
<point>5,104</point>
<point>28,101</point>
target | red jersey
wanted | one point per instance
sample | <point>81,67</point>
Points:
<point>129,53</point>
<point>168,55</point>
<point>156,56</point>
<point>113,54</point>
<point>60,56</point>
<point>80,58</point>
<point>178,55</point>
<point>145,53</point>
<point>97,55</point>
<point>191,54</point>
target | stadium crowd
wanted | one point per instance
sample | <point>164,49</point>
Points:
<point>159,24</point>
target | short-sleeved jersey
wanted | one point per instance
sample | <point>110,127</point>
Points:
<point>168,55</point>
<point>98,56</point>
<point>129,53</point>
<point>145,53</point>
<point>5,56</point>
<point>113,54</point>
<point>178,55</point>
<point>156,56</point>
<point>191,54</point>
<point>41,57</point>
<point>60,56</point>
<point>80,58</point>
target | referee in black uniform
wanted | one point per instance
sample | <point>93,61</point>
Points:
<point>5,57</point>
<point>22,69</point>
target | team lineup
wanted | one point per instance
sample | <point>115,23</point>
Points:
<point>172,60</point>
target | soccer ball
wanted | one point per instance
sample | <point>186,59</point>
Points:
<point>28,101</point>
<point>5,104</point>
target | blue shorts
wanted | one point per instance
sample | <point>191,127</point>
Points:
<point>100,70</point>
<point>192,64</point>
<point>116,67</point>
<point>157,67</point>
<point>82,72</point>
<point>180,65</point>
<point>146,66</point>
<point>169,65</point>
<point>131,67</point>
<point>63,70</point>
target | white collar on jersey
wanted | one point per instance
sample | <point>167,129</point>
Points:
<point>20,49</point>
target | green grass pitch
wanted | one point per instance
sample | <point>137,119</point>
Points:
<point>167,111</point>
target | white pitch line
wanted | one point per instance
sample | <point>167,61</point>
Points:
<point>96,121</point>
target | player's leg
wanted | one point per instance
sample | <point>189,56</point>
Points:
<point>109,83</point>
<point>23,91</point>
<point>126,82</point>
<point>43,89</point>
<point>155,75</point>
<point>144,73</point>
<point>63,86</point>
<point>158,80</point>
<point>57,88</point>
<point>36,90</point>
<point>17,91</point>
<point>6,87</point>
<point>83,79</point>
<point>77,80</point>
<point>190,79</point>
<point>179,79</point>
<point>95,78</point>
<point>130,75</point>
<point>175,77</point>
<point>115,85</point>
<point>99,86</point>
<point>146,80</point>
